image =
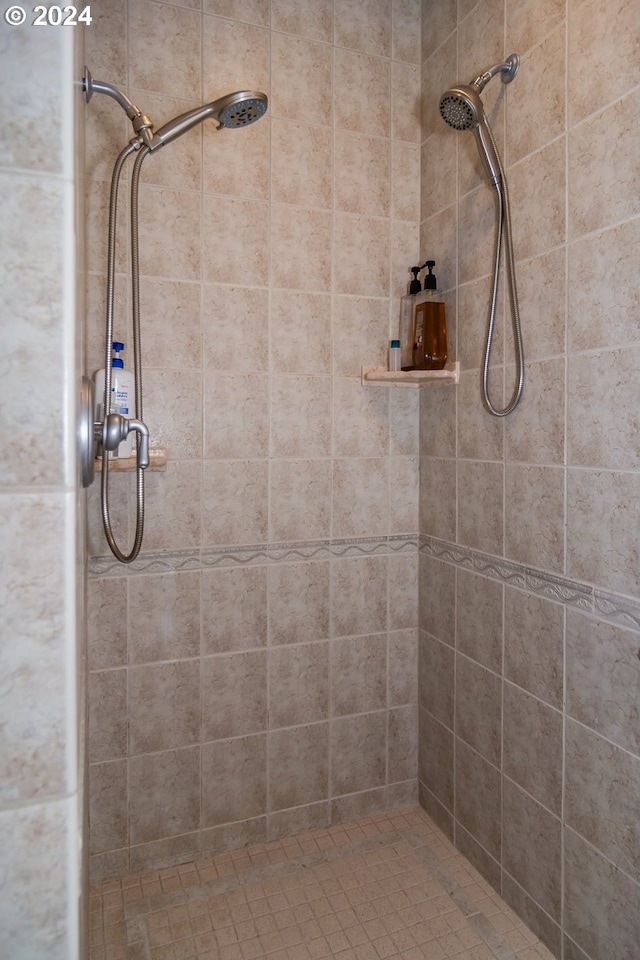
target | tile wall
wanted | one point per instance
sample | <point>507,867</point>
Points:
<point>42,570</point>
<point>529,572</point>
<point>254,672</point>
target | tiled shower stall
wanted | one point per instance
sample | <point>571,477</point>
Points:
<point>350,597</point>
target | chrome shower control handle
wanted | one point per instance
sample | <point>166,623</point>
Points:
<point>115,428</point>
<point>143,442</point>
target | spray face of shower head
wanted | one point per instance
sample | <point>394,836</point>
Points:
<point>461,107</point>
<point>234,110</point>
<point>241,109</point>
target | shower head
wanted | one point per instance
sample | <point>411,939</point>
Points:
<point>461,108</point>
<point>238,109</point>
<point>233,110</point>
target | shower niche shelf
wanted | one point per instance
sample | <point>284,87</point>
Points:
<point>410,378</point>
<point>157,462</point>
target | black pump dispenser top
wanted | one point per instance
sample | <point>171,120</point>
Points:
<point>430,280</point>
<point>415,285</point>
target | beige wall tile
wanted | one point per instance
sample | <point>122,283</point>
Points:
<point>235,501</point>
<point>299,499</point>
<point>602,521</point>
<point>234,695</point>
<point>236,415</point>
<point>611,68</point>
<point>358,596</point>
<point>302,164</point>
<point>302,82</point>
<point>164,706</point>
<point>533,747</point>
<point>234,779</point>
<point>298,684</point>
<point>235,56</point>
<point>108,720</point>
<point>603,314</point>
<point>603,184</point>
<point>236,162</point>
<point>298,602</point>
<point>601,784</point>
<point>360,497</point>
<point>307,18</point>
<point>602,679</point>
<point>362,174</point>
<point>535,516</point>
<point>602,429</point>
<point>358,674</point>
<point>164,795</point>
<point>163,41</point>
<point>300,249</point>
<point>478,798</point>
<point>363,25</point>
<point>478,708</point>
<point>361,93</point>
<point>534,645</point>
<point>235,246</point>
<point>235,328</point>
<point>358,753</point>
<point>234,612</point>
<point>601,902</point>
<point>298,764</point>
<point>405,102</point>
<point>479,619</point>
<point>532,849</point>
<point>536,107</point>
<point>480,505</point>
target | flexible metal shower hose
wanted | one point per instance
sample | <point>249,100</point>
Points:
<point>504,220</point>
<point>137,362</point>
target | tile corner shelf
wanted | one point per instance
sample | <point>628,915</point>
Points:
<point>410,378</point>
<point>157,462</point>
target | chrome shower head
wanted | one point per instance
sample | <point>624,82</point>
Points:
<point>461,108</point>
<point>238,109</point>
<point>233,110</point>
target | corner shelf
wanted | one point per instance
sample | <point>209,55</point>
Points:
<point>157,462</point>
<point>410,378</point>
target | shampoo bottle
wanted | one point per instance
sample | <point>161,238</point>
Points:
<point>430,330</point>
<point>122,391</point>
<point>407,306</point>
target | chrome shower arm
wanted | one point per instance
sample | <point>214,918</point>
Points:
<point>142,125</point>
<point>508,69</point>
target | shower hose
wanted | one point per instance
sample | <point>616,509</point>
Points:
<point>137,361</point>
<point>503,228</point>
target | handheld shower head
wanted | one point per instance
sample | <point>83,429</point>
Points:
<point>461,108</point>
<point>233,110</point>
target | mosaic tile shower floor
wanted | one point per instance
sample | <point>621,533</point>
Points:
<point>388,886</point>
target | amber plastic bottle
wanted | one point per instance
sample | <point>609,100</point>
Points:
<point>430,326</point>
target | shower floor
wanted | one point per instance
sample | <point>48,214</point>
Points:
<point>388,886</point>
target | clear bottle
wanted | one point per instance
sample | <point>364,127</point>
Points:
<point>407,305</point>
<point>430,328</point>
<point>394,356</point>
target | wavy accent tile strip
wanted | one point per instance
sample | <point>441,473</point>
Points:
<point>252,554</point>
<point>616,609</point>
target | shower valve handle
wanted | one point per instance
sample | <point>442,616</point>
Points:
<point>116,428</point>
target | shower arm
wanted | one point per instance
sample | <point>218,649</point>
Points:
<point>508,69</point>
<point>142,125</point>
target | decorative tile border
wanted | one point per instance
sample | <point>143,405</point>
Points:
<point>619,610</point>
<point>252,554</point>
